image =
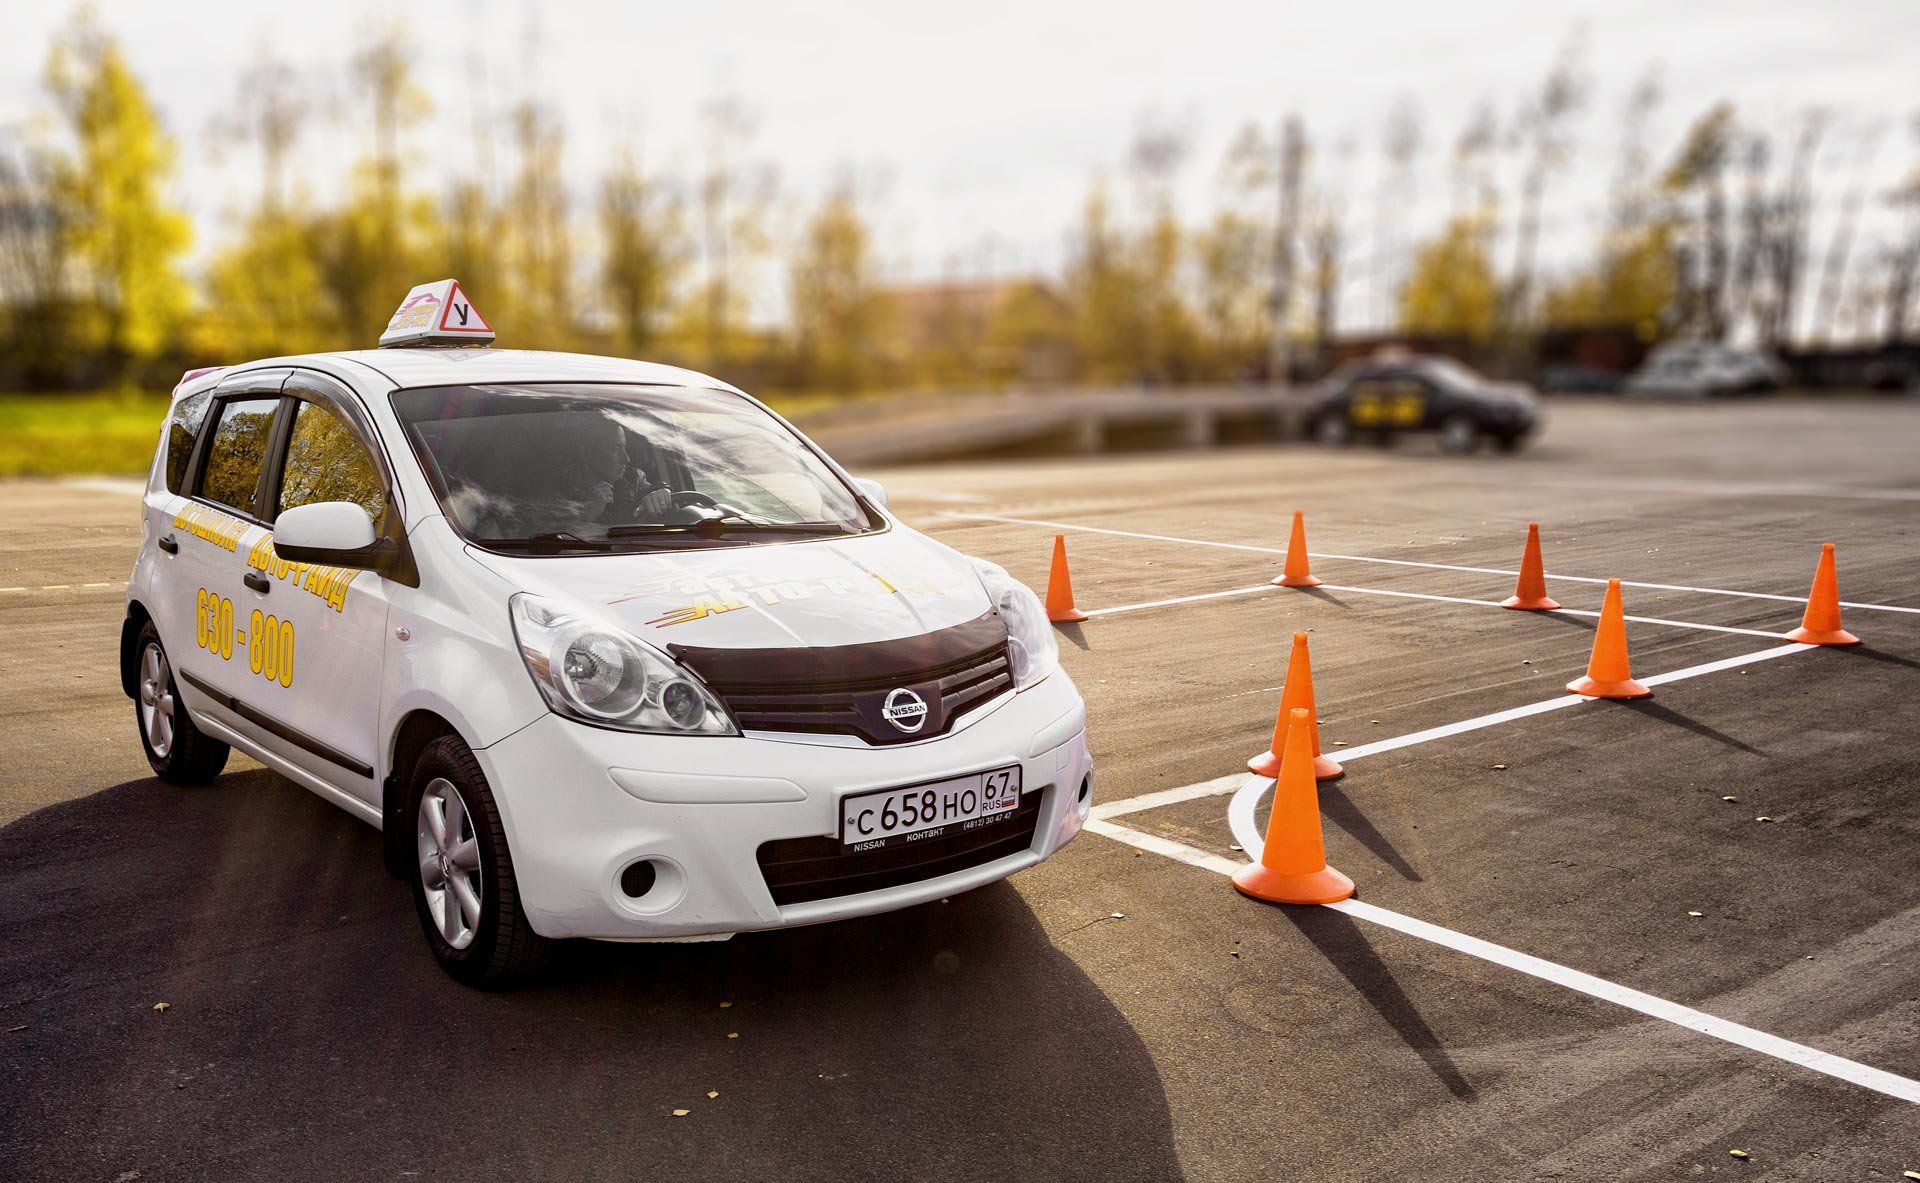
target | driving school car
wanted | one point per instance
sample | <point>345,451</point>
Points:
<point>1397,392</point>
<point>606,649</point>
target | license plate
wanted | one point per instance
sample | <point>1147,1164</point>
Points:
<point>894,817</point>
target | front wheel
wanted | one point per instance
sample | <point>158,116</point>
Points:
<point>179,752</point>
<point>1459,435</point>
<point>1332,431</point>
<point>463,883</point>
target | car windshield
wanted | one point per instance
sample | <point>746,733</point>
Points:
<point>1450,372</point>
<point>553,468</point>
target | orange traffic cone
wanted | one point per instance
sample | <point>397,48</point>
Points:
<point>1608,675</point>
<point>1293,864</point>
<point>1295,573</point>
<point>1060,607</point>
<point>1821,623</point>
<point>1297,694</point>
<point>1530,590</point>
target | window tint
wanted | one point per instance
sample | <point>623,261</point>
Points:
<point>183,431</point>
<point>234,458</point>
<point>326,462</point>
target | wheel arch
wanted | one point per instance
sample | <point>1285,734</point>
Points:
<point>418,728</point>
<point>137,619</point>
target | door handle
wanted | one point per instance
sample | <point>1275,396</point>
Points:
<point>257,582</point>
<point>169,545</point>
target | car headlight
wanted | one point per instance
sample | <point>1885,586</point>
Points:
<point>597,673</point>
<point>1031,645</point>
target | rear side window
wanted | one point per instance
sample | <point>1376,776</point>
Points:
<point>327,462</point>
<point>183,431</point>
<point>239,446</point>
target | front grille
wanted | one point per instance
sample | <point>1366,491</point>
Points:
<point>801,869</point>
<point>842,690</point>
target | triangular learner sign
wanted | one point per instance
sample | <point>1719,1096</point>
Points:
<point>437,313</point>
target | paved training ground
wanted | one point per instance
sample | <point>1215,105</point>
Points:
<point>1120,1012</point>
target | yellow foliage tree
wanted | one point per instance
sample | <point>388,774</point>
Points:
<point>126,237</point>
<point>1451,289</point>
<point>838,312</point>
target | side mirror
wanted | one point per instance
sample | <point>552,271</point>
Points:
<point>337,533</point>
<point>873,491</point>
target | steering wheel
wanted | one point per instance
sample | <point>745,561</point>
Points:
<point>690,497</point>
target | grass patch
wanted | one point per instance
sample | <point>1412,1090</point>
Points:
<point>72,434</point>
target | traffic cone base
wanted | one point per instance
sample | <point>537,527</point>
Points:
<point>1268,764</point>
<point>1067,616</point>
<point>1260,882</point>
<point>1296,581</point>
<point>1808,636</point>
<point>1620,688</point>
<point>1530,603</point>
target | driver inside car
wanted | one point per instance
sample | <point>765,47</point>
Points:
<point>608,487</point>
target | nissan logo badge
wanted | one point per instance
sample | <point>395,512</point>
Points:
<point>904,709</point>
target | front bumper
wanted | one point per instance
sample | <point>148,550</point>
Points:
<point>581,804</point>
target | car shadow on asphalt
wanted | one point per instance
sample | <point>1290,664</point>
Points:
<point>1341,941</point>
<point>309,1035</point>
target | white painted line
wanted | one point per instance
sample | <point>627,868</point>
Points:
<point>1647,1004</point>
<point>1407,595</point>
<point>1735,489</point>
<point>1206,788</point>
<point>1165,847</point>
<point>1271,550</point>
<point>1826,1063</point>
<point>125,486</point>
<point>1240,814</point>
<point>1238,591</point>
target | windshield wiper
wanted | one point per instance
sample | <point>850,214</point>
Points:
<point>551,542</point>
<point>726,523</point>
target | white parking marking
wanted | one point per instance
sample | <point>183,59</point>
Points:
<point>1206,788</point>
<point>1272,550</point>
<point>1165,847</point>
<point>1407,595</point>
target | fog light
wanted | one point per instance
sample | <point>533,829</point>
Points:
<point>638,879</point>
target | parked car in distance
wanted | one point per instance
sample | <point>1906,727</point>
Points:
<point>1396,393</point>
<point>1579,380</point>
<point>1696,369</point>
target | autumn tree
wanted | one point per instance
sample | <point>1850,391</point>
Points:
<point>125,239</point>
<point>1451,289</point>
<point>839,313</point>
<point>1543,126</point>
<point>641,252</point>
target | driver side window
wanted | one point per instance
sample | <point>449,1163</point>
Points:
<point>326,462</point>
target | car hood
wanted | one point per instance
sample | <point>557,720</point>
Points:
<point>843,591</point>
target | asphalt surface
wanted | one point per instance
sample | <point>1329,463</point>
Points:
<point>1025,1030</point>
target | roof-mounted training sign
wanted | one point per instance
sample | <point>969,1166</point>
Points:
<point>437,313</point>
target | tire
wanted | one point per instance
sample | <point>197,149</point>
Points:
<point>1459,435</point>
<point>179,752</point>
<point>1509,444</point>
<point>500,949</point>
<point>1332,431</point>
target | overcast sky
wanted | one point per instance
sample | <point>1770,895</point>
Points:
<point>984,122</point>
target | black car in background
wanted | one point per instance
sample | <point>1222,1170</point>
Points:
<point>1381,398</point>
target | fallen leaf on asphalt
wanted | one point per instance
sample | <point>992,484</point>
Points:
<point>725,1005</point>
<point>712,1095</point>
<point>1696,913</point>
<point>1499,767</point>
<point>1729,797</point>
<point>1234,848</point>
<point>681,1112</point>
<point>1116,916</point>
<point>1341,743</point>
<point>163,1006</point>
<point>1910,1174</point>
<point>1526,663</point>
<point>1763,818</point>
<point>1739,1154</point>
<point>1233,953</point>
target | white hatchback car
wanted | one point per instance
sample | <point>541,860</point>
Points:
<point>606,649</point>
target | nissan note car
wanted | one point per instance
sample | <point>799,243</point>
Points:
<point>605,649</point>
